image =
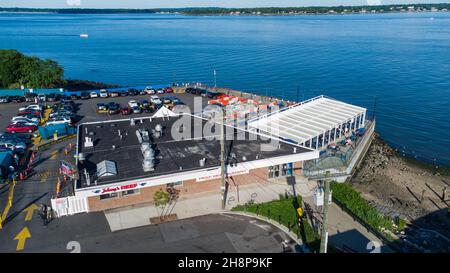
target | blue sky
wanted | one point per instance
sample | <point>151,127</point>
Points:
<point>194,3</point>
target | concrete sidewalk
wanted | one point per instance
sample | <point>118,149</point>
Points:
<point>348,234</point>
<point>210,203</point>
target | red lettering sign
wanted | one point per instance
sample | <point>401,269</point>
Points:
<point>114,189</point>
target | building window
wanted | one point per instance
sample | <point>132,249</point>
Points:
<point>108,196</point>
<point>130,192</point>
<point>280,170</point>
<point>175,184</point>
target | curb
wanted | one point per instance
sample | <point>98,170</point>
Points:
<point>272,222</point>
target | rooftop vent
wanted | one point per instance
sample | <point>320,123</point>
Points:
<point>88,142</point>
<point>142,135</point>
<point>81,157</point>
<point>295,150</point>
<point>202,162</point>
<point>158,131</point>
<point>132,122</point>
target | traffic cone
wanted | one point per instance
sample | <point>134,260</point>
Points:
<point>21,175</point>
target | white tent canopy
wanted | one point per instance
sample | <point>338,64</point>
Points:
<point>164,112</point>
<point>316,119</point>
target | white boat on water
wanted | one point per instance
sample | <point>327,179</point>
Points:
<point>84,35</point>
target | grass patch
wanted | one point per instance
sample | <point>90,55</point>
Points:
<point>284,211</point>
<point>352,201</point>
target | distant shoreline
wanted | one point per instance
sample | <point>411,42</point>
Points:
<point>257,11</point>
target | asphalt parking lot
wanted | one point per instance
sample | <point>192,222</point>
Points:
<point>87,108</point>
<point>89,232</point>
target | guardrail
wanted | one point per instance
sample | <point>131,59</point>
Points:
<point>47,145</point>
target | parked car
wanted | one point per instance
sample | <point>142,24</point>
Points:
<point>9,148</point>
<point>160,91</point>
<point>13,145</point>
<point>42,97</point>
<point>102,108</point>
<point>144,103</point>
<point>212,95</point>
<point>21,128</point>
<point>93,94</point>
<point>62,112</point>
<point>60,120</point>
<point>103,93</point>
<point>113,108</point>
<point>5,99</point>
<point>53,97</point>
<point>17,99</point>
<point>23,122</point>
<point>85,95</point>
<point>133,92</point>
<point>155,99</point>
<point>34,107</point>
<point>30,97</point>
<point>133,103</point>
<point>74,97</point>
<point>136,110</point>
<point>168,90</point>
<point>125,111</point>
<point>29,113</point>
<point>149,90</point>
<point>114,94</point>
<point>17,136</point>
<point>26,119</point>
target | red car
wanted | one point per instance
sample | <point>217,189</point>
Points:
<point>125,111</point>
<point>21,127</point>
<point>29,113</point>
<point>168,90</point>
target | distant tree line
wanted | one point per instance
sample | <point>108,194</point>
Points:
<point>218,11</point>
<point>17,69</point>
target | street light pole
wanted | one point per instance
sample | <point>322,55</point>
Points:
<point>222,159</point>
<point>324,237</point>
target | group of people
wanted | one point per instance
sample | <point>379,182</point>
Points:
<point>46,213</point>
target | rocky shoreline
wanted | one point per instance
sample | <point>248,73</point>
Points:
<point>405,187</point>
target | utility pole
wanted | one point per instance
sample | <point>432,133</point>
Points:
<point>222,159</point>
<point>324,239</point>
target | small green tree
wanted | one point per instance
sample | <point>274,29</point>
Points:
<point>161,199</point>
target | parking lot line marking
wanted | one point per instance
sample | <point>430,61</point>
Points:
<point>53,155</point>
<point>21,237</point>
<point>44,179</point>
<point>9,204</point>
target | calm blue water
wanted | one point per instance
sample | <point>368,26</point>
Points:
<point>402,59</point>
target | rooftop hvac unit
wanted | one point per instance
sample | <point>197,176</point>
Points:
<point>149,157</point>
<point>148,165</point>
<point>88,142</point>
<point>202,162</point>
<point>132,122</point>
<point>149,154</point>
<point>145,146</point>
<point>142,135</point>
<point>157,132</point>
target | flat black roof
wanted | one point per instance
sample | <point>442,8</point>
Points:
<point>171,155</point>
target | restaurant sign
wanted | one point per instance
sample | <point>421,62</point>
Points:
<point>114,189</point>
